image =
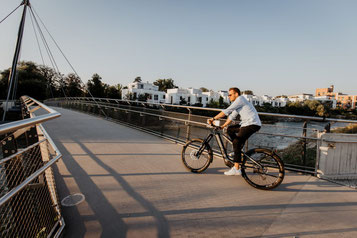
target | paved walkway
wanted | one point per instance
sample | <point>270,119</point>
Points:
<point>135,186</point>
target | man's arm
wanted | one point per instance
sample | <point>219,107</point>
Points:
<point>228,121</point>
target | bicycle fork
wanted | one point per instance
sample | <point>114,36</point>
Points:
<point>203,146</point>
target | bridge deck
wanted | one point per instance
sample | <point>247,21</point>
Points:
<point>135,186</point>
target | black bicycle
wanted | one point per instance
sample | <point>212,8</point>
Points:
<point>261,168</point>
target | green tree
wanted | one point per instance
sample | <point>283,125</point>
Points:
<point>222,103</point>
<point>4,76</point>
<point>73,85</point>
<point>248,92</point>
<point>312,104</point>
<point>137,79</point>
<point>282,96</point>
<point>112,92</point>
<point>165,84</point>
<point>53,81</point>
<point>95,86</point>
<point>120,88</point>
<point>212,104</point>
<point>322,111</point>
<point>30,81</point>
<point>203,89</point>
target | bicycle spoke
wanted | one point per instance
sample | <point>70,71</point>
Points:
<point>262,169</point>
<point>192,159</point>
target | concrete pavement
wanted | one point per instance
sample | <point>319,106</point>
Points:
<point>136,186</point>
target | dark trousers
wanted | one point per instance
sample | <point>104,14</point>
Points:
<point>239,135</point>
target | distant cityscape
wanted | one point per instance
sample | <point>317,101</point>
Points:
<point>192,96</point>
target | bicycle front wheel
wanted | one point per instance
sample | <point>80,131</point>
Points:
<point>194,161</point>
<point>263,169</point>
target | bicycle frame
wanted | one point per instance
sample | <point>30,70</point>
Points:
<point>223,149</point>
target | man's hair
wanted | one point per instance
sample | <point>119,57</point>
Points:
<point>235,90</point>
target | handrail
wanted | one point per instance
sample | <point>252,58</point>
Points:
<point>13,126</point>
<point>214,109</point>
<point>204,124</point>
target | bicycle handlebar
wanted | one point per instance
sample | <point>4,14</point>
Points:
<point>215,125</point>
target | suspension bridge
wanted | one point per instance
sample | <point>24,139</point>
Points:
<point>87,167</point>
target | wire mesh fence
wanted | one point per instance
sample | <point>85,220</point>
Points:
<point>33,211</point>
<point>29,205</point>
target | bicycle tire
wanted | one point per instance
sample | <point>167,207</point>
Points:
<point>190,161</point>
<point>268,175</point>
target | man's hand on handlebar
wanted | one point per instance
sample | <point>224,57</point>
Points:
<point>210,121</point>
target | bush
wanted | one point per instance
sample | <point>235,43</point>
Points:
<point>293,154</point>
<point>350,129</point>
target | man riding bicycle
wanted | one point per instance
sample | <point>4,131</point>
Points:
<point>239,133</point>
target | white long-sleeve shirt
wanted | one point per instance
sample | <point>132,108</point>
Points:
<point>248,114</point>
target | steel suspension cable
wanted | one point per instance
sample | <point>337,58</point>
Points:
<point>38,43</point>
<point>50,55</point>
<point>39,48</point>
<point>59,48</point>
<point>49,52</point>
<point>10,13</point>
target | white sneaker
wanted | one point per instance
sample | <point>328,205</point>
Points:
<point>233,171</point>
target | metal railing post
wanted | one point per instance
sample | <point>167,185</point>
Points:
<point>318,152</point>
<point>188,131</point>
<point>304,143</point>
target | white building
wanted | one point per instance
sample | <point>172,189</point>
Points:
<point>260,100</point>
<point>253,99</point>
<point>300,97</point>
<point>190,96</point>
<point>138,88</point>
<point>280,102</point>
<point>215,96</point>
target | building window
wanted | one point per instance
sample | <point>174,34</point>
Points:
<point>180,97</point>
<point>141,86</point>
<point>156,97</point>
<point>200,100</point>
<point>189,99</point>
<point>163,96</point>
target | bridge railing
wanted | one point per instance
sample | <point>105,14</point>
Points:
<point>29,205</point>
<point>296,138</point>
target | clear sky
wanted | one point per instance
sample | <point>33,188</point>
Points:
<point>271,47</point>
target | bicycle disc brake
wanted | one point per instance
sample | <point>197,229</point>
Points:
<point>194,155</point>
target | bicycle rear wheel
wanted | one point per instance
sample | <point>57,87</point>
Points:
<point>192,160</point>
<point>263,169</point>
